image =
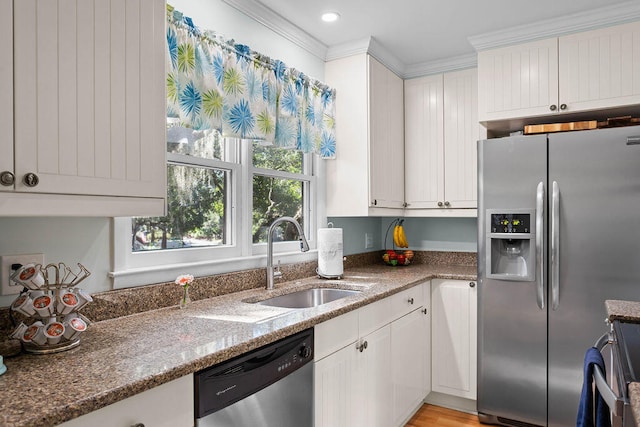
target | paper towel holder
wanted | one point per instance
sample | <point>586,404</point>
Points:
<point>325,276</point>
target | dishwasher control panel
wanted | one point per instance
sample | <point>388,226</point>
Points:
<point>221,385</point>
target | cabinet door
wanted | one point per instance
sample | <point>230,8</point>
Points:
<point>90,96</point>
<point>461,133</point>
<point>408,364</point>
<point>454,329</point>
<point>168,405</point>
<point>386,137</point>
<point>600,68</point>
<point>518,81</point>
<point>373,402</point>
<point>424,139</point>
<point>6,89</point>
<point>334,389</point>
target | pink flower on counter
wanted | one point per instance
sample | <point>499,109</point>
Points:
<point>184,280</point>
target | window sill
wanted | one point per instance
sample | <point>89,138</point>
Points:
<point>168,272</point>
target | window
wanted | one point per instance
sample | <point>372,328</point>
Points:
<point>223,194</point>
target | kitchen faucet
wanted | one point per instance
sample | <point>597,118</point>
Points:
<point>304,247</point>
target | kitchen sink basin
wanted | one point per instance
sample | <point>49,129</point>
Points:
<point>308,298</point>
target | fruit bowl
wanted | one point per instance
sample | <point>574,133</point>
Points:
<point>394,258</point>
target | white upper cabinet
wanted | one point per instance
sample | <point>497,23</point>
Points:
<point>585,71</point>
<point>368,171</point>
<point>6,89</point>
<point>441,133</point>
<point>424,141</point>
<point>89,108</point>
<point>518,81</point>
<point>600,68</point>
<point>461,134</point>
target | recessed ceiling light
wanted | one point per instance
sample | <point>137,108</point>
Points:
<point>330,16</point>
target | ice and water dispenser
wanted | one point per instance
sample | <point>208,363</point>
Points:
<point>511,252</point>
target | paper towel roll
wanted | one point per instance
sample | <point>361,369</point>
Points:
<point>330,252</point>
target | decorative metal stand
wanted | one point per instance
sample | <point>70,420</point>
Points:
<point>50,302</point>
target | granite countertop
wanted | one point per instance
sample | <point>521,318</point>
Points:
<point>121,357</point>
<point>627,311</point>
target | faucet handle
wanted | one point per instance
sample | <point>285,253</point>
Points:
<point>277,274</point>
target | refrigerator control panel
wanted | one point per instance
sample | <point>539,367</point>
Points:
<point>510,223</point>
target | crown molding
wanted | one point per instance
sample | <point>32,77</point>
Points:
<point>280,26</point>
<point>441,66</point>
<point>343,50</point>
<point>581,21</point>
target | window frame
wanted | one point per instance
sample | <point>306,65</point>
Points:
<point>145,267</point>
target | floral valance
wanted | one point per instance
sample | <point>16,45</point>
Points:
<point>213,83</point>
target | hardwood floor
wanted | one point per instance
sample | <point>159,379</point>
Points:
<point>436,416</point>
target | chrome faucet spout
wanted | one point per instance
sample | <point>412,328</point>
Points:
<point>304,246</point>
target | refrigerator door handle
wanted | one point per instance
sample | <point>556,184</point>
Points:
<point>555,246</point>
<point>540,243</point>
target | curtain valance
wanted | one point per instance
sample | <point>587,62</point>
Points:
<point>213,83</point>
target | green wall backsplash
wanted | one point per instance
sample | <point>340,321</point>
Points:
<point>429,234</point>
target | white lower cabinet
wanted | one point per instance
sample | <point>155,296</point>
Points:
<point>168,405</point>
<point>410,343</point>
<point>454,328</point>
<point>377,376</point>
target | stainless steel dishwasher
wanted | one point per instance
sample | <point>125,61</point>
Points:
<point>270,386</point>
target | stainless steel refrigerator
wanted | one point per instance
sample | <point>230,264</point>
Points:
<point>558,234</point>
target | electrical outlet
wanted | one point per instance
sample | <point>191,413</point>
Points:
<point>9,287</point>
<point>368,241</point>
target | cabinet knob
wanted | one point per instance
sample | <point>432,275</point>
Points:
<point>30,179</point>
<point>447,204</point>
<point>424,311</point>
<point>410,301</point>
<point>440,204</point>
<point>563,106</point>
<point>472,284</point>
<point>138,425</point>
<point>7,178</point>
<point>553,107</point>
<point>405,204</point>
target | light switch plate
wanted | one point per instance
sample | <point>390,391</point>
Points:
<point>7,286</point>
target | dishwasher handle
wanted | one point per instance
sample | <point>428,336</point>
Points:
<point>613,401</point>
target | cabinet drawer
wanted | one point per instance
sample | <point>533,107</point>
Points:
<point>406,301</point>
<point>336,333</point>
<point>374,316</point>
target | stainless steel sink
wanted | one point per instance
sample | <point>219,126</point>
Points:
<point>307,298</point>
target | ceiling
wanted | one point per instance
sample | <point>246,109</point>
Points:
<point>424,31</point>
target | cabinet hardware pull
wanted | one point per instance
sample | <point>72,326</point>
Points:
<point>472,284</point>
<point>7,178</point>
<point>447,204</point>
<point>30,179</point>
<point>375,202</point>
<point>440,204</point>
<point>410,301</point>
<point>553,107</point>
<point>138,425</point>
<point>424,310</point>
<point>563,106</point>
<point>405,204</point>
<point>366,344</point>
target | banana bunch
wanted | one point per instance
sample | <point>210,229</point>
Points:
<point>399,238</point>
